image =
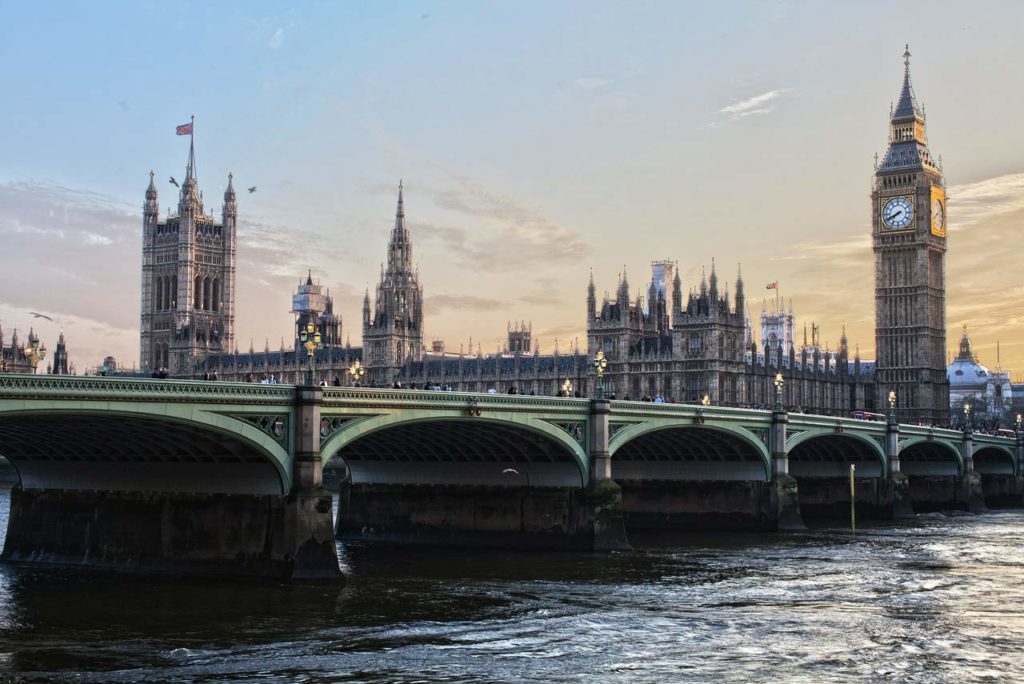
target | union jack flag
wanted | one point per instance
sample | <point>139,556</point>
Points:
<point>184,129</point>
<point>774,285</point>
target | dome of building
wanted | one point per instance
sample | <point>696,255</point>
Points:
<point>965,371</point>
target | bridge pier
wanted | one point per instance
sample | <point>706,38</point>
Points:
<point>970,490</point>
<point>897,483</point>
<point>123,493</point>
<point>784,496</point>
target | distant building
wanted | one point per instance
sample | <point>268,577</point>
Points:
<point>59,365</point>
<point>991,394</point>
<point>12,356</point>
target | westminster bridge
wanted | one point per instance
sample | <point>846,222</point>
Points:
<point>190,477</point>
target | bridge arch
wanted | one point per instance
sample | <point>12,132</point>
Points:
<point>828,453</point>
<point>924,456</point>
<point>669,451</point>
<point>990,459</point>
<point>480,450</point>
<point>109,448</point>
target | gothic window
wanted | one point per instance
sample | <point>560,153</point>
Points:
<point>197,299</point>
<point>174,289</point>
<point>216,295</point>
<point>159,292</point>
<point>206,294</point>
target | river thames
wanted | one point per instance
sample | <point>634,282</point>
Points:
<point>936,599</point>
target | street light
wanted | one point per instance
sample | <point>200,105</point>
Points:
<point>600,364</point>
<point>567,388</point>
<point>1018,422</point>
<point>34,353</point>
<point>780,382</point>
<point>892,406</point>
<point>310,338</point>
<point>356,372</point>
<point>967,416</point>
<point>706,401</point>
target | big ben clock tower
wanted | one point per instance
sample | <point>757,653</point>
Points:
<point>908,234</point>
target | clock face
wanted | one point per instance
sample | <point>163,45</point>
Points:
<point>897,213</point>
<point>938,215</point>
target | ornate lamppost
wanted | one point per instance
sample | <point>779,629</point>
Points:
<point>706,401</point>
<point>34,352</point>
<point>779,383</point>
<point>356,372</point>
<point>567,388</point>
<point>1018,424</point>
<point>310,339</point>
<point>600,365</point>
<point>967,416</point>
<point>892,406</point>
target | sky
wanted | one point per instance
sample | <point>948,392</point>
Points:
<point>537,141</point>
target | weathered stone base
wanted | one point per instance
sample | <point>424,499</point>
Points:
<point>971,495</point>
<point>931,493</point>
<point>462,515</point>
<point>690,505</point>
<point>1003,491</point>
<point>876,498</point>
<point>259,536</point>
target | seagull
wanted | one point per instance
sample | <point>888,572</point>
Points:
<point>174,182</point>
<point>252,189</point>
<point>39,315</point>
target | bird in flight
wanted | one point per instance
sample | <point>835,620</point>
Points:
<point>39,315</point>
<point>252,189</point>
<point>174,182</point>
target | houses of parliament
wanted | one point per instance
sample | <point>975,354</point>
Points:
<point>665,344</point>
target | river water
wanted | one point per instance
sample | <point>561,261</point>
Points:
<point>936,599</point>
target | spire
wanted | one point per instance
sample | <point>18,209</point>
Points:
<point>908,142</point>
<point>190,197</point>
<point>399,246</point>
<point>714,279</point>
<point>906,105</point>
<point>151,193</point>
<point>229,194</point>
<point>966,349</point>
<point>190,170</point>
<point>309,276</point>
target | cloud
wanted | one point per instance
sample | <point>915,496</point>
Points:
<point>277,39</point>
<point>589,83</point>
<point>438,304</point>
<point>752,106</point>
<point>971,204</point>
<point>506,235</point>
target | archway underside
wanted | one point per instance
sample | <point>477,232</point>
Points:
<point>456,452</point>
<point>126,453</point>
<point>688,454</point>
<point>832,455</point>
<point>929,458</point>
<point>993,461</point>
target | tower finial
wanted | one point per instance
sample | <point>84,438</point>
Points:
<point>906,56</point>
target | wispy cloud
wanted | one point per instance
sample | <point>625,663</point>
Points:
<point>976,203</point>
<point>758,105</point>
<point>438,304</point>
<point>506,236</point>
<point>589,83</point>
<point>277,39</point>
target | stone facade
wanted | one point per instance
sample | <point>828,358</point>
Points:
<point>188,279</point>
